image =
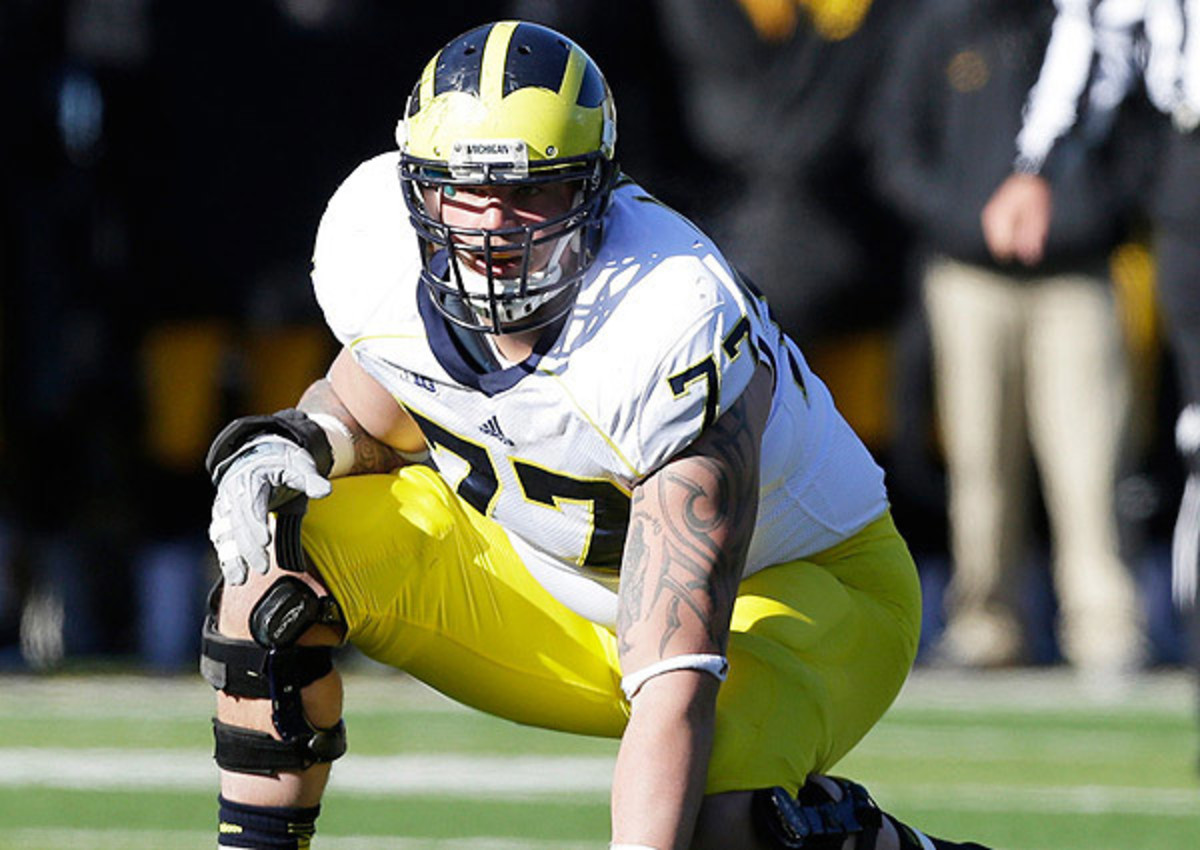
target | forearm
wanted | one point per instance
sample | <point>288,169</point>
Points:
<point>689,530</point>
<point>366,454</point>
<point>674,604</point>
<point>658,783</point>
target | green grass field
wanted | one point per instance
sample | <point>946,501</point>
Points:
<point>1025,761</point>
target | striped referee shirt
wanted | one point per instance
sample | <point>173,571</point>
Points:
<point>1098,50</point>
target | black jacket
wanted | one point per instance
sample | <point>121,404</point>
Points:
<point>950,112</point>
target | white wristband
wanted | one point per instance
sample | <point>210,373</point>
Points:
<point>341,443</point>
<point>714,665</point>
<point>415,457</point>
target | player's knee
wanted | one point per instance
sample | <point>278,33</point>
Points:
<point>268,648</point>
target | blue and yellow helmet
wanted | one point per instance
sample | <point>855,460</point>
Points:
<point>508,103</point>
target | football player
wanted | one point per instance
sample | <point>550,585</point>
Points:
<point>565,470</point>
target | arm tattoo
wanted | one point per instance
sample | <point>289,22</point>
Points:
<point>633,575</point>
<point>689,533</point>
<point>370,455</point>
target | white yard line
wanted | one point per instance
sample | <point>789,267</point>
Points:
<point>498,777</point>
<point>527,777</point>
<point>377,689</point>
<point>1047,799</point>
<point>127,839</point>
<point>1033,746</point>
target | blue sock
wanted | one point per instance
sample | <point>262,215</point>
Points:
<point>285,828</point>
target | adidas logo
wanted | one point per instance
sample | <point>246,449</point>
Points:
<point>492,429</point>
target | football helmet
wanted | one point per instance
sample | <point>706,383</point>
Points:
<point>508,104</point>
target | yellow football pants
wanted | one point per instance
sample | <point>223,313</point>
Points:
<point>818,648</point>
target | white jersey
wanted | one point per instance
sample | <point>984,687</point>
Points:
<point>663,338</point>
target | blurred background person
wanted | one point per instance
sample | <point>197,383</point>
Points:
<point>1026,356</point>
<point>774,98</point>
<point>1101,53</point>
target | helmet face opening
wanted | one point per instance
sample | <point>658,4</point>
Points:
<point>503,280</point>
<point>508,104</point>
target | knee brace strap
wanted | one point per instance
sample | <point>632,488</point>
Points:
<point>813,821</point>
<point>246,669</point>
<point>243,668</point>
<point>251,751</point>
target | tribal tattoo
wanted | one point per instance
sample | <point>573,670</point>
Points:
<point>689,532</point>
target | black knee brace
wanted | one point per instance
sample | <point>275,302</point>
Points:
<point>272,667</point>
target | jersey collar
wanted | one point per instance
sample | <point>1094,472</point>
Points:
<point>456,357</point>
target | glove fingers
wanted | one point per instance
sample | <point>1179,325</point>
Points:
<point>317,486</point>
<point>247,519</point>
<point>233,568</point>
<point>254,535</point>
<point>239,529</point>
<point>307,481</point>
<point>254,554</point>
<point>250,519</point>
<point>220,532</point>
<point>220,527</point>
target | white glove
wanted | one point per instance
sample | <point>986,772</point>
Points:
<point>252,482</point>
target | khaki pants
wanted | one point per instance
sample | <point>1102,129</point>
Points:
<point>1035,364</point>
